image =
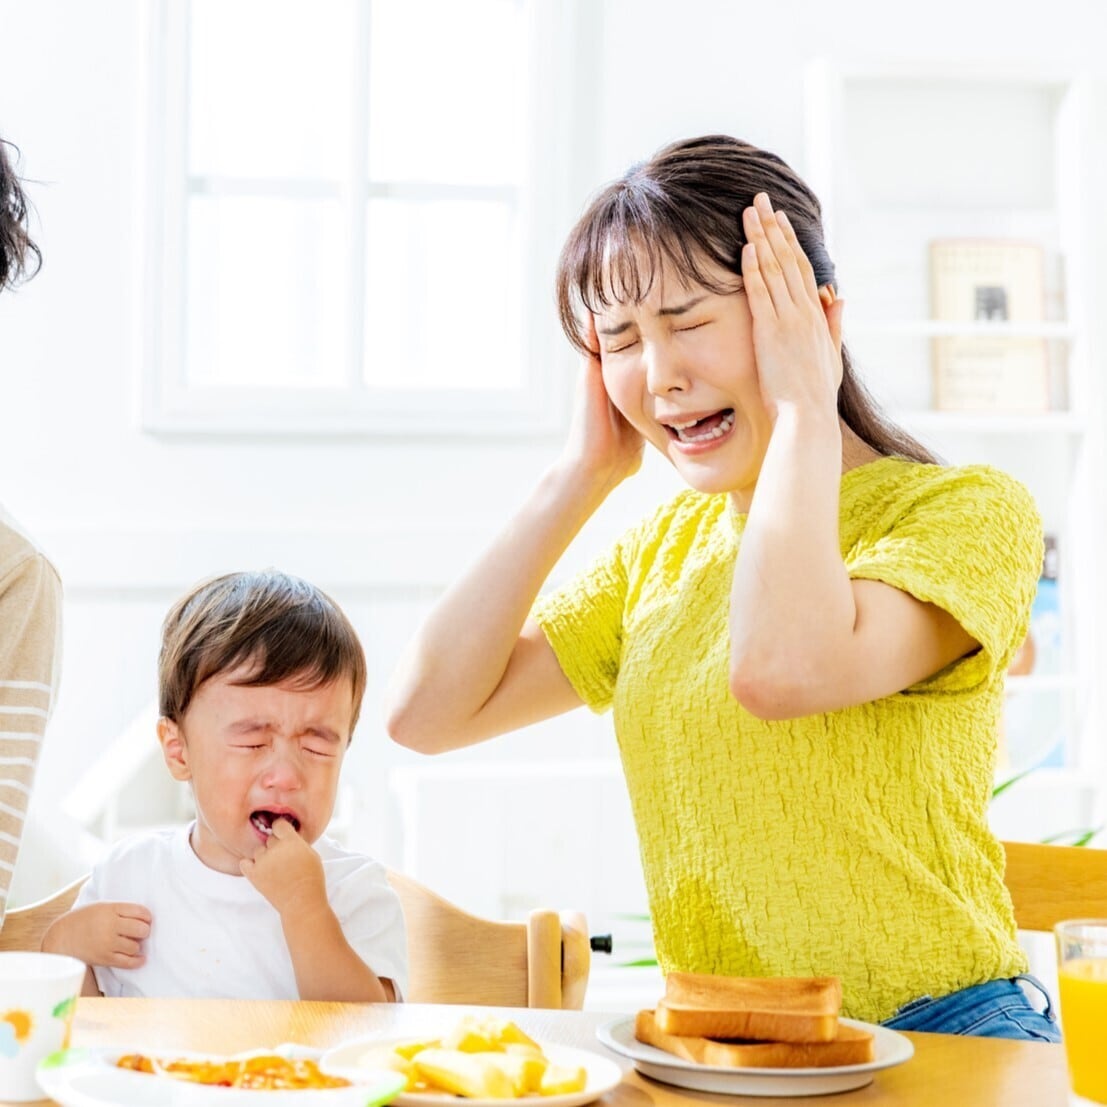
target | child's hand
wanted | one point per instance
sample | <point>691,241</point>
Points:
<point>287,871</point>
<point>600,439</point>
<point>102,934</point>
<point>796,339</point>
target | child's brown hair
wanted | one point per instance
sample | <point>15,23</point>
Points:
<point>284,627</point>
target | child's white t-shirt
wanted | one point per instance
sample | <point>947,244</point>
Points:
<point>216,935</point>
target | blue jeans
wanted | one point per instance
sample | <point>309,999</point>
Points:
<point>998,1009</point>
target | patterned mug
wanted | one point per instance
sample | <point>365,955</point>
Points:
<point>38,994</point>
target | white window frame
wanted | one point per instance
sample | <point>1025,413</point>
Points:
<point>169,405</point>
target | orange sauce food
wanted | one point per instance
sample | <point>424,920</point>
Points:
<point>267,1073</point>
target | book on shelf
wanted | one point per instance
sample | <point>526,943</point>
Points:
<point>989,281</point>
<point>1034,724</point>
<point>1042,650</point>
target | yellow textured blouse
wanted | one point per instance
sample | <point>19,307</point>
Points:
<point>853,843</point>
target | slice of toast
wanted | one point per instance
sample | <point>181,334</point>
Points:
<point>774,1009</point>
<point>852,1046</point>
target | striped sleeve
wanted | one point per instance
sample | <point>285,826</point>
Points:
<point>30,615</point>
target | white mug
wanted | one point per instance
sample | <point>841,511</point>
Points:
<point>38,993</point>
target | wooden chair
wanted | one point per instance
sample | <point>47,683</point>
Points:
<point>24,927</point>
<point>1051,883</point>
<point>454,957</point>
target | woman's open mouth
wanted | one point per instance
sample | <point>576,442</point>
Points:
<point>704,431</point>
<point>263,820</point>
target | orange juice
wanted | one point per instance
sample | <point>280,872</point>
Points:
<point>1083,984</point>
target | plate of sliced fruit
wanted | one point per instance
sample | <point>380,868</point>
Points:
<point>485,1060</point>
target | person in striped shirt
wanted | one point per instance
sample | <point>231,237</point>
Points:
<point>30,595</point>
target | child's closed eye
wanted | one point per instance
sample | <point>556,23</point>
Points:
<point>321,742</point>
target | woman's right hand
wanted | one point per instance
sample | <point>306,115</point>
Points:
<point>601,443</point>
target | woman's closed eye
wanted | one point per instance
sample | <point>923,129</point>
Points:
<point>692,326</point>
<point>626,345</point>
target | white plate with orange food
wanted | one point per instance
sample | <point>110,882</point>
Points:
<point>288,1076</point>
<point>890,1048</point>
<point>599,1075</point>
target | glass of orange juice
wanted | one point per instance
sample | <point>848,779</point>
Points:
<point>1082,975</point>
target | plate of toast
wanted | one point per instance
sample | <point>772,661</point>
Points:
<point>756,1036</point>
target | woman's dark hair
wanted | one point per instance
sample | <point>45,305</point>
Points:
<point>284,628</point>
<point>684,207</point>
<point>16,247</point>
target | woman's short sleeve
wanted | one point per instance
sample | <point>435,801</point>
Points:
<point>970,542</point>
<point>583,622</point>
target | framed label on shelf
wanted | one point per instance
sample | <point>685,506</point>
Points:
<point>992,283</point>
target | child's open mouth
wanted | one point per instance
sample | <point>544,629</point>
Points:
<point>263,821</point>
<point>703,430</point>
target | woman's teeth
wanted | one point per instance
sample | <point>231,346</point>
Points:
<point>684,430</point>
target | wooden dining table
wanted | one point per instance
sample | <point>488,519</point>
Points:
<point>946,1071</point>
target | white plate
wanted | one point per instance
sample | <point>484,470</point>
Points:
<point>90,1078</point>
<point>602,1075</point>
<point>891,1049</point>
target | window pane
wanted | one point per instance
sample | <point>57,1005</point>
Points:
<point>446,91</point>
<point>265,292</point>
<point>270,87</point>
<point>442,304</point>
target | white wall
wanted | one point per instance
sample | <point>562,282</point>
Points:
<point>133,519</point>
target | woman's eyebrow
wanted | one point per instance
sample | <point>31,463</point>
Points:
<point>676,309</point>
<point>680,309</point>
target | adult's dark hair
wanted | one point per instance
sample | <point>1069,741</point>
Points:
<point>16,247</point>
<point>282,627</point>
<point>684,207</point>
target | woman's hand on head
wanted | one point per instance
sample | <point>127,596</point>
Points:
<point>601,442</point>
<point>797,336</point>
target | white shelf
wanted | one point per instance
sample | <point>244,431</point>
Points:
<point>900,159</point>
<point>1041,682</point>
<point>933,328</point>
<point>972,422</point>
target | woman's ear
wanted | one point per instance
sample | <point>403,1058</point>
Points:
<point>832,308</point>
<point>174,749</point>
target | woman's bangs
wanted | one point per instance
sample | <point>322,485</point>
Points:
<point>620,269</point>
<point>623,267</point>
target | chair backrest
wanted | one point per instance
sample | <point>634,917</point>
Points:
<point>1051,883</point>
<point>454,957</point>
<point>24,927</point>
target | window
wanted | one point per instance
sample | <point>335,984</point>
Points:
<point>355,216</point>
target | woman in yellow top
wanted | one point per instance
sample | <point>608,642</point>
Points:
<point>804,651</point>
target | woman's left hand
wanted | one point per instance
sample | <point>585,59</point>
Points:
<point>796,329</point>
